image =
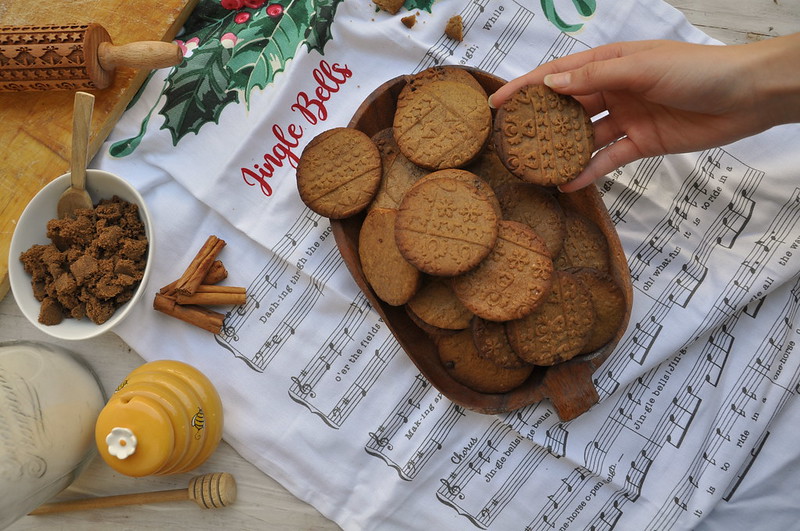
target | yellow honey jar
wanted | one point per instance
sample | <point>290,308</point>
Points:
<point>164,418</point>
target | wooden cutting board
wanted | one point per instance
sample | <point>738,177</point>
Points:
<point>35,134</point>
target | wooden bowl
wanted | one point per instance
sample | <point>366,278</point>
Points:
<point>568,385</point>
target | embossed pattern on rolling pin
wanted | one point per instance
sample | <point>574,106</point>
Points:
<point>43,57</point>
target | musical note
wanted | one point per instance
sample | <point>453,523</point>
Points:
<point>739,411</point>
<point>325,362</point>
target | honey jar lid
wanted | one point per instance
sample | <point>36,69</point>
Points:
<point>134,436</point>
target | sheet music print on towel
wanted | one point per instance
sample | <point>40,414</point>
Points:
<point>708,214</point>
<point>507,22</point>
<point>686,398</point>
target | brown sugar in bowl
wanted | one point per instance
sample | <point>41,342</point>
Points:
<point>568,385</point>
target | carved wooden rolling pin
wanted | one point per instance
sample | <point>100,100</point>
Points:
<point>72,57</point>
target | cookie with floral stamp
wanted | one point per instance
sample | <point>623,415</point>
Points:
<point>491,340</point>
<point>444,124</point>
<point>543,137</point>
<point>445,226</point>
<point>536,207</point>
<point>490,168</point>
<point>459,357</point>
<point>470,178</point>
<point>339,172</point>
<point>512,280</point>
<point>436,305</point>
<point>559,328</point>
<point>441,73</point>
<point>608,300</point>
<point>584,245</point>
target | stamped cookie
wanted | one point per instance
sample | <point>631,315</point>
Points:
<point>392,279</point>
<point>443,124</point>
<point>460,358</point>
<point>491,340</point>
<point>399,173</point>
<point>536,207</point>
<point>491,169</point>
<point>558,330</point>
<point>445,226</point>
<point>512,280</point>
<point>339,172</point>
<point>440,73</point>
<point>585,245</point>
<point>470,178</point>
<point>437,305</point>
<point>609,306</point>
<point>543,137</point>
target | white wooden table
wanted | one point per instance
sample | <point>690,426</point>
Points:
<point>262,503</point>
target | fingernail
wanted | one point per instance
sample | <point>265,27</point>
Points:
<point>491,105</point>
<point>560,80</point>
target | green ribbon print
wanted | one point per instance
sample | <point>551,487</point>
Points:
<point>585,8</point>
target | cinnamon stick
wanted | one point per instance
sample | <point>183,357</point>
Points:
<point>192,314</point>
<point>216,273</point>
<point>198,268</point>
<point>214,296</point>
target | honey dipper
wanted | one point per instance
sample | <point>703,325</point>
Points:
<point>209,491</point>
<point>72,56</point>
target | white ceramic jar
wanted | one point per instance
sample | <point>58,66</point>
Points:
<point>49,403</point>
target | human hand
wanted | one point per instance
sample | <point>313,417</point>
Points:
<point>672,97</point>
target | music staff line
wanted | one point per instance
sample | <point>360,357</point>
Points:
<point>633,190</point>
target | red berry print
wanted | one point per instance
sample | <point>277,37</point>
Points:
<point>241,17</point>
<point>254,4</point>
<point>232,5</point>
<point>274,10</point>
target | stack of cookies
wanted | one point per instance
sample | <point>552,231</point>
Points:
<point>464,228</point>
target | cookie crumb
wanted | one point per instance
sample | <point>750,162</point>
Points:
<point>455,28</point>
<point>409,21</point>
<point>390,6</point>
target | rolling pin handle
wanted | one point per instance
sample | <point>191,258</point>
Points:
<point>142,54</point>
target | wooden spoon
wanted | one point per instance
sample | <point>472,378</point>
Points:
<point>76,196</point>
<point>209,491</point>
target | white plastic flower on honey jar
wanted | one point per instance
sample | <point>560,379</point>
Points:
<point>121,442</point>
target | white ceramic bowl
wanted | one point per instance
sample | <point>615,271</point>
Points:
<point>31,229</point>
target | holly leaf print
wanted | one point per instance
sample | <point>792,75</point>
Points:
<point>232,51</point>
<point>425,5</point>
<point>319,26</point>
<point>196,92</point>
<point>265,46</point>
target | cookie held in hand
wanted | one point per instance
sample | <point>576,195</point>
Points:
<point>543,137</point>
